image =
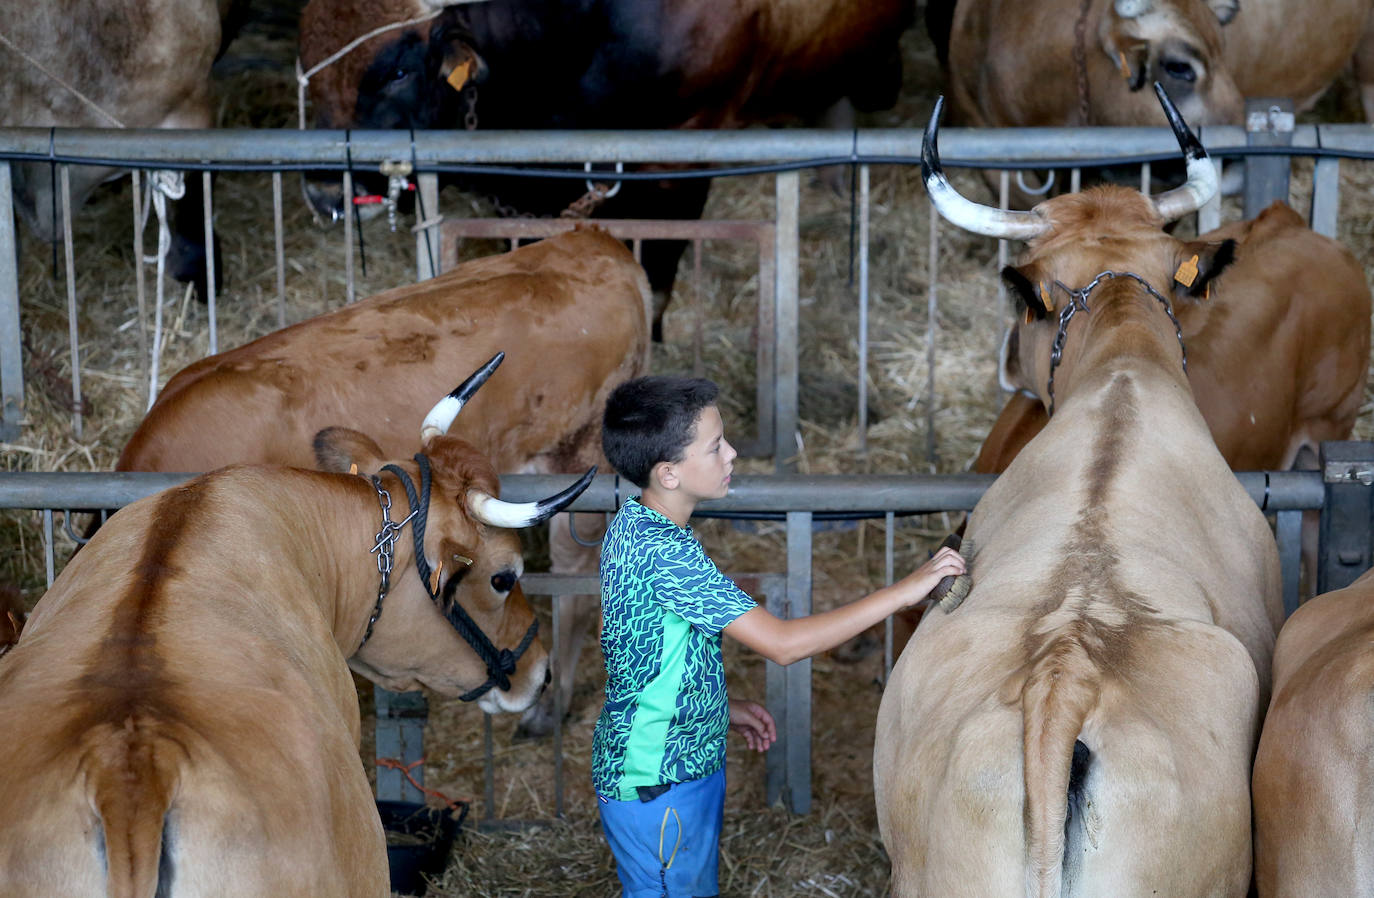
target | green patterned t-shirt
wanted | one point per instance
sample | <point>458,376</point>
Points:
<point>663,605</point>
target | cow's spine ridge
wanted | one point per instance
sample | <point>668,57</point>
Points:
<point>1056,700</point>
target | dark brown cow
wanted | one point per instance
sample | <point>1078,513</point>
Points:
<point>178,717</point>
<point>117,64</point>
<point>1084,723</point>
<point>1013,64</point>
<point>605,64</point>
<point>1312,784</point>
<point>571,313</point>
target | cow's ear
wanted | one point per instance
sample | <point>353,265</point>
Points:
<point>340,449</point>
<point>1032,296</point>
<point>1201,263</point>
<point>451,54</point>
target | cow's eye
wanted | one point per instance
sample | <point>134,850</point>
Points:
<point>503,581</point>
<point>1180,70</point>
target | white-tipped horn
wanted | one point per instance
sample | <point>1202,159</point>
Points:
<point>512,515</point>
<point>441,417</point>
<point>1202,181</point>
<point>965,213</point>
<point>1132,9</point>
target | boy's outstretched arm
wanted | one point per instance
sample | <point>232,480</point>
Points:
<point>786,641</point>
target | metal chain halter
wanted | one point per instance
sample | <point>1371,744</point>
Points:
<point>1078,300</point>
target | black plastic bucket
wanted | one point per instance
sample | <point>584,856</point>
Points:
<point>425,838</point>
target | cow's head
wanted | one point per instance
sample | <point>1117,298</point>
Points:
<point>407,77</point>
<point>1177,43</point>
<point>469,576</point>
<point>1073,238</point>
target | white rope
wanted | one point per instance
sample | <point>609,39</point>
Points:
<point>162,186</point>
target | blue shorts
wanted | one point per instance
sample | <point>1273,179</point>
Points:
<point>668,847</point>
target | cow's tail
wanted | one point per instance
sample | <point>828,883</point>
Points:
<point>130,783</point>
<point>1056,699</point>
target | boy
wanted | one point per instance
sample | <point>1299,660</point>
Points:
<point>658,752</point>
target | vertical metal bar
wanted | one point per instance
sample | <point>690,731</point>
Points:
<point>889,527</point>
<point>488,771</point>
<point>350,291</point>
<point>638,247</point>
<point>72,313</point>
<point>1145,178</point>
<point>698,314</point>
<point>556,672</point>
<point>765,400</point>
<point>401,720</point>
<point>787,241</point>
<point>1075,180</point>
<point>1346,545</point>
<point>140,282</point>
<point>427,238</point>
<point>797,746</point>
<point>1326,196</point>
<point>279,232</point>
<point>775,697</point>
<point>1290,556</point>
<point>863,308</point>
<point>1268,123</point>
<point>1209,215</point>
<point>11,351</point>
<point>211,307</point>
<point>48,561</point>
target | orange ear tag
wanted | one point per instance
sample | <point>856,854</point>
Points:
<point>1187,272</point>
<point>1030,314</point>
<point>1125,69</point>
<point>1207,291</point>
<point>1045,298</point>
<point>434,578</point>
<point>458,78</point>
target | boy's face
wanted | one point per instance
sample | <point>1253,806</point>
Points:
<point>704,471</point>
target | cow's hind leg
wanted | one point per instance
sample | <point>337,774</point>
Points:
<point>576,617</point>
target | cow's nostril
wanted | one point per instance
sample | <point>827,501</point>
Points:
<point>503,581</point>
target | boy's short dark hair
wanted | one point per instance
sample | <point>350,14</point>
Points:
<point>652,419</point>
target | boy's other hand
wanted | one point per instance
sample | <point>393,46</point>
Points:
<point>918,584</point>
<point>752,721</point>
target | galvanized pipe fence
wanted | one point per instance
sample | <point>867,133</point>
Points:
<point>1267,143</point>
<point>798,499</point>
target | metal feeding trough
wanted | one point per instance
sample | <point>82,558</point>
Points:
<point>418,842</point>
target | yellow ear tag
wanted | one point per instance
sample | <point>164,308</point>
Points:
<point>434,578</point>
<point>1030,314</point>
<point>1207,292</point>
<point>458,78</point>
<point>463,560</point>
<point>353,469</point>
<point>1125,68</point>
<point>1187,272</point>
<point>1045,298</point>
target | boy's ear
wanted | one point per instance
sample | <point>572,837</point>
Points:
<point>1032,297</point>
<point>1199,265</point>
<point>664,475</point>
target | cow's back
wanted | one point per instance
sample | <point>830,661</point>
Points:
<point>1312,784</point>
<point>569,312</point>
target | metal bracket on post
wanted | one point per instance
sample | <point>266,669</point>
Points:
<point>1345,542</point>
<point>1268,123</point>
<point>401,720</point>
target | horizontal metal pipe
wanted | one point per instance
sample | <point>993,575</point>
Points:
<point>369,148</point>
<point>748,493</point>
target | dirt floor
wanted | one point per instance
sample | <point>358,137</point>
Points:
<point>832,851</point>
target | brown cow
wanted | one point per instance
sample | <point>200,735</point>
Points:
<point>178,716</point>
<point>118,64</point>
<point>571,311</point>
<point>613,64</point>
<point>1084,723</point>
<point>1312,783</point>
<point>1013,64</point>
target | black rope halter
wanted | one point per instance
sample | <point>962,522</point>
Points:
<point>1078,300</point>
<point>500,662</point>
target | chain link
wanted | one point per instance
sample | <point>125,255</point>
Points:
<point>1078,301</point>
<point>385,550</point>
